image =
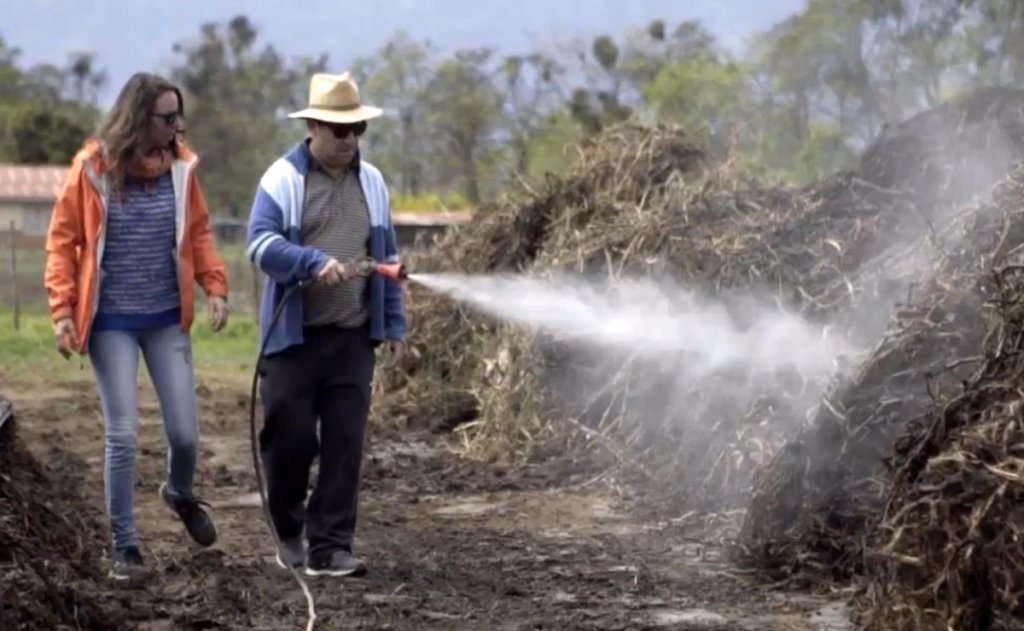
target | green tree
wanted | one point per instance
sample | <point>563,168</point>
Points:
<point>237,96</point>
<point>595,90</point>
<point>702,94</point>
<point>529,84</point>
<point>46,112</point>
<point>396,78</point>
<point>464,114</point>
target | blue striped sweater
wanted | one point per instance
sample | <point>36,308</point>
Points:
<point>139,279</point>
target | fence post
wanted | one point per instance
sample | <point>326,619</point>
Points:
<point>14,276</point>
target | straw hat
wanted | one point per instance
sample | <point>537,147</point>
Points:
<point>335,99</point>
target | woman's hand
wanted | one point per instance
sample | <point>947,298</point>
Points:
<point>67,337</point>
<point>218,307</point>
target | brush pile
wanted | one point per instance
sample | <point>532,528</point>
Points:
<point>948,551</point>
<point>815,508</point>
<point>951,542</point>
<point>645,202</point>
<point>435,386</point>
<point>50,547</point>
<point>820,494</point>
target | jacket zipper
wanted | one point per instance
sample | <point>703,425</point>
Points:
<point>101,238</point>
<point>182,207</point>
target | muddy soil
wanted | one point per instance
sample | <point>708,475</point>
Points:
<point>450,544</point>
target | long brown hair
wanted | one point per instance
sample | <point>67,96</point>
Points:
<point>124,130</point>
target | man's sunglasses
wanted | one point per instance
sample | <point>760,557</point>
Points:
<point>342,130</point>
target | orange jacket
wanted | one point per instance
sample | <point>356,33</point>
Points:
<point>74,243</point>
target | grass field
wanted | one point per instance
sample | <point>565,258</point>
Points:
<point>32,350</point>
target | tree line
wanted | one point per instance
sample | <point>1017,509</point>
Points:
<point>462,125</point>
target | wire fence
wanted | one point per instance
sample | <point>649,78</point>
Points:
<point>23,259</point>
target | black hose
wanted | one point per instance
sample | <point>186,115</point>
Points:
<point>257,461</point>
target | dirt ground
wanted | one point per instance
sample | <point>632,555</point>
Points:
<point>450,544</point>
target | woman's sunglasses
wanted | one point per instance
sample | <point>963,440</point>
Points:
<point>170,119</point>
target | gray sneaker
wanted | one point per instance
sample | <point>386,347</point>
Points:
<point>192,513</point>
<point>292,553</point>
<point>337,563</point>
<point>126,564</point>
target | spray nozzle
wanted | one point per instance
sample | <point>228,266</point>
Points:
<point>368,265</point>
<point>394,271</point>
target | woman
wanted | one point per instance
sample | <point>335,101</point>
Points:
<point>128,237</point>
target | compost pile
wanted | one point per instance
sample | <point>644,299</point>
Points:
<point>614,172</point>
<point>949,549</point>
<point>822,492</point>
<point>50,547</point>
<point>645,202</point>
<point>816,506</point>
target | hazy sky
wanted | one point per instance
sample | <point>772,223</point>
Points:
<point>131,35</point>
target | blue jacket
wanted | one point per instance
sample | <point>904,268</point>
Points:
<point>274,247</point>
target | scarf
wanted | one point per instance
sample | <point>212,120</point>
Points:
<point>152,165</point>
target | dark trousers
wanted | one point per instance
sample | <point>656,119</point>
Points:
<point>328,378</point>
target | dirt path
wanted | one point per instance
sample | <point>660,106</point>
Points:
<point>450,545</point>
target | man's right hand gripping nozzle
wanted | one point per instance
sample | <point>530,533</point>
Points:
<point>335,272</point>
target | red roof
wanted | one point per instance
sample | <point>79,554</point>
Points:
<point>32,183</point>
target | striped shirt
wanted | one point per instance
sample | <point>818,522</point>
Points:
<point>139,280</point>
<point>336,220</point>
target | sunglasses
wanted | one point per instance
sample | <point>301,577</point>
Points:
<point>342,130</point>
<point>169,119</point>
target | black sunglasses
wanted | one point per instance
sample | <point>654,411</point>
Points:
<point>342,130</point>
<point>169,119</point>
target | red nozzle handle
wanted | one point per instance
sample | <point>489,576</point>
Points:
<point>394,271</point>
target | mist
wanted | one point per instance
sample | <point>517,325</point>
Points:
<point>957,166</point>
<point>664,362</point>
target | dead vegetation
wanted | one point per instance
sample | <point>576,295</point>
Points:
<point>896,255</point>
<point>840,465</point>
<point>646,202</point>
<point>836,464</point>
<point>950,551</point>
<point>436,384</point>
<point>50,546</point>
<point>947,552</point>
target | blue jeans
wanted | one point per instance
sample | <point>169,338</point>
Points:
<point>114,356</point>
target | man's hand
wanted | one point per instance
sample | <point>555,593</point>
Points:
<point>67,337</point>
<point>397,349</point>
<point>218,308</point>
<point>334,272</point>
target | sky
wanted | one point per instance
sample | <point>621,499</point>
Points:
<point>131,35</point>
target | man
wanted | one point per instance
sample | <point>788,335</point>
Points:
<point>317,207</point>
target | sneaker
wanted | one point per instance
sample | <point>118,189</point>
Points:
<point>126,564</point>
<point>197,521</point>
<point>339,563</point>
<point>291,554</point>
